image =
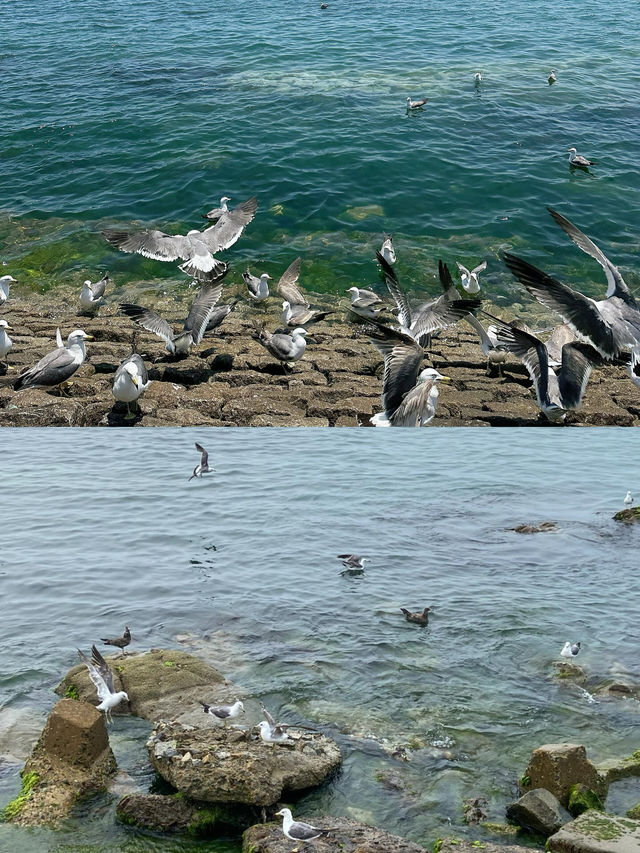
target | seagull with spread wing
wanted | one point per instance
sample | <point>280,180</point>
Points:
<point>102,678</point>
<point>91,294</point>
<point>270,731</point>
<point>203,466</point>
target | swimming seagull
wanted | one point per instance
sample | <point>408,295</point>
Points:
<point>577,160</point>
<point>494,352</point>
<point>415,105</point>
<point>286,348</point>
<point>91,294</point>
<point>386,250</point>
<point>217,212</point>
<point>420,618</point>
<point>131,380</point>
<point>5,341</point>
<point>477,78</point>
<point>365,302</point>
<point>557,389</point>
<point>552,78</point>
<point>194,327</point>
<point>5,282</point>
<point>296,830</point>
<point>353,561</point>
<point>628,499</point>
<point>102,678</point>
<point>469,279</point>
<point>224,712</point>
<point>56,367</point>
<point>203,466</point>
<point>569,650</point>
<point>258,287</point>
<point>119,642</point>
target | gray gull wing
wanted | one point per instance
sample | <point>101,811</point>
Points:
<point>402,358</point>
<point>149,320</point>
<point>151,244</point>
<point>398,294</point>
<point>288,285</point>
<point>201,310</point>
<point>577,361</point>
<point>53,369</point>
<point>230,226</point>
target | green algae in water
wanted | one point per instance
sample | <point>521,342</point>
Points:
<point>29,783</point>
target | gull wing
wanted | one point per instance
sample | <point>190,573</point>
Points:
<point>52,369</point>
<point>218,314</point>
<point>398,294</point>
<point>252,282</point>
<point>616,285</point>
<point>100,663</point>
<point>577,361</point>
<point>204,460</point>
<point>577,310</point>
<point>288,285</point>
<point>59,340</point>
<point>201,311</point>
<point>444,311</point>
<point>402,359</point>
<point>230,226</point>
<point>96,677</point>
<point>150,244</point>
<point>531,351</point>
<point>480,268</point>
<point>463,270</point>
<point>98,289</point>
<point>410,410</point>
<point>149,320</point>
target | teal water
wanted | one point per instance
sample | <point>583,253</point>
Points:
<point>147,112</point>
<point>103,528</point>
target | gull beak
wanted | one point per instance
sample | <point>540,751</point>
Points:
<point>89,338</point>
<point>135,380</point>
<point>9,327</point>
<point>445,378</point>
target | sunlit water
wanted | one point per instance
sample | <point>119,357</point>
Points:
<point>150,111</point>
<point>102,528</point>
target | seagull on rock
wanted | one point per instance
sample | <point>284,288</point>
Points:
<point>131,380</point>
<point>5,341</point>
<point>570,650</point>
<point>296,830</point>
<point>286,348</point>
<point>492,349</point>
<point>628,499</point>
<point>119,642</point>
<point>5,282</point>
<point>365,302</point>
<point>270,731</point>
<point>203,466</point>
<point>224,712</point>
<point>102,678</point>
<point>91,294</point>
<point>386,250</point>
<point>56,367</point>
<point>258,287</point>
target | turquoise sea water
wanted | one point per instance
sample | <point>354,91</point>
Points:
<point>148,112</point>
<point>102,528</point>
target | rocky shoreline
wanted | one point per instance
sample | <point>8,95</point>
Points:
<point>231,380</point>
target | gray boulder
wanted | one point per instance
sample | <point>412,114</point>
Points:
<point>558,766</point>
<point>595,832</point>
<point>539,812</point>
<point>347,836</point>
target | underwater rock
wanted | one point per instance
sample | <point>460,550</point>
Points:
<point>458,845</point>
<point>543,527</point>
<point>558,766</point>
<point>629,516</point>
<point>539,812</point>
<point>595,832</point>
<point>156,812</point>
<point>568,671</point>
<point>347,836</point>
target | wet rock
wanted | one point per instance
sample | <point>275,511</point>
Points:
<point>473,809</point>
<point>347,836</point>
<point>569,671</point>
<point>581,799</point>
<point>629,516</point>
<point>234,766</point>
<point>458,845</point>
<point>620,768</point>
<point>634,812</point>
<point>539,812</point>
<point>618,690</point>
<point>595,832</point>
<point>156,812</point>
<point>559,766</point>
<point>72,758</point>
<point>543,527</point>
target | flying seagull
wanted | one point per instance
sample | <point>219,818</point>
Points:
<point>577,160</point>
<point>194,326</point>
<point>56,367</point>
<point>258,287</point>
<point>296,830</point>
<point>628,499</point>
<point>414,105</point>
<point>217,212</point>
<point>203,466</point>
<point>365,302</point>
<point>119,642</point>
<point>224,712</point>
<point>5,282</point>
<point>386,250</point>
<point>286,348</point>
<point>570,650</point>
<point>353,561</point>
<point>557,389</point>
<point>102,678</point>
<point>420,618</point>
<point>494,352</point>
<point>131,380</point>
<point>469,279</point>
<point>5,341</point>
<point>91,294</point>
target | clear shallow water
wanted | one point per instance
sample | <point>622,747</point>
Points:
<point>241,568</point>
<point>151,111</point>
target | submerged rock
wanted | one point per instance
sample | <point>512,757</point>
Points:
<point>543,527</point>
<point>630,515</point>
<point>539,812</point>
<point>595,832</point>
<point>458,845</point>
<point>72,758</point>
<point>228,765</point>
<point>559,766</point>
<point>156,812</point>
<point>347,836</point>
<point>620,768</point>
<point>569,671</point>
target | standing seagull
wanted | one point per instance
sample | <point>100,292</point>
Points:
<point>469,279</point>
<point>193,327</point>
<point>386,250</point>
<point>569,650</point>
<point>56,367</point>
<point>493,351</point>
<point>419,618</point>
<point>5,281</point>
<point>296,830</point>
<point>102,677</point>
<point>130,381</point>
<point>224,712</point>
<point>270,731</point>
<point>286,348</point>
<point>298,315</point>
<point>258,287</point>
<point>365,302</point>
<point>5,341</point>
<point>628,499</point>
<point>119,642</point>
<point>416,105</point>
<point>91,294</point>
<point>578,161</point>
<point>203,466</point>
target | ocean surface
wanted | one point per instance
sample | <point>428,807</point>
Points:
<point>139,114</point>
<point>101,528</point>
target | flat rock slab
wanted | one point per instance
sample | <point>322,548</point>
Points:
<point>595,832</point>
<point>455,845</point>
<point>348,836</point>
<point>159,683</point>
<point>229,765</point>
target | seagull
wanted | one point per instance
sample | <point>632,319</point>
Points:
<point>298,315</point>
<point>270,731</point>
<point>420,618</point>
<point>196,248</point>
<point>415,105</point>
<point>219,313</point>
<point>56,367</point>
<point>217,212</point>
<point>91,294</point>
<point>469,280</point>
<point>493,351</point>
<point>569,650</point>
<point>436,314</point>
<point>224,712</point>
<point>477,78</point>
<point>611,325</point>
<point>119,642</point>
<point>577,160</point>
<point>102,677</point>
<point>552,79</point>
<point>634,366</point>
<point>5,341</point>
<point>295,308</point>
<point>131,380</point>
<point>5,281</point>
<point>365,302</point>
<point>386,250</point>
<point>628,499</point>
<point>557,389</point>
<point>203,466</point>
<point>194,326</point>
<point>296,830</point>
<point>353,561</point>
<point>286,348</point>
<point>258,287</point>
